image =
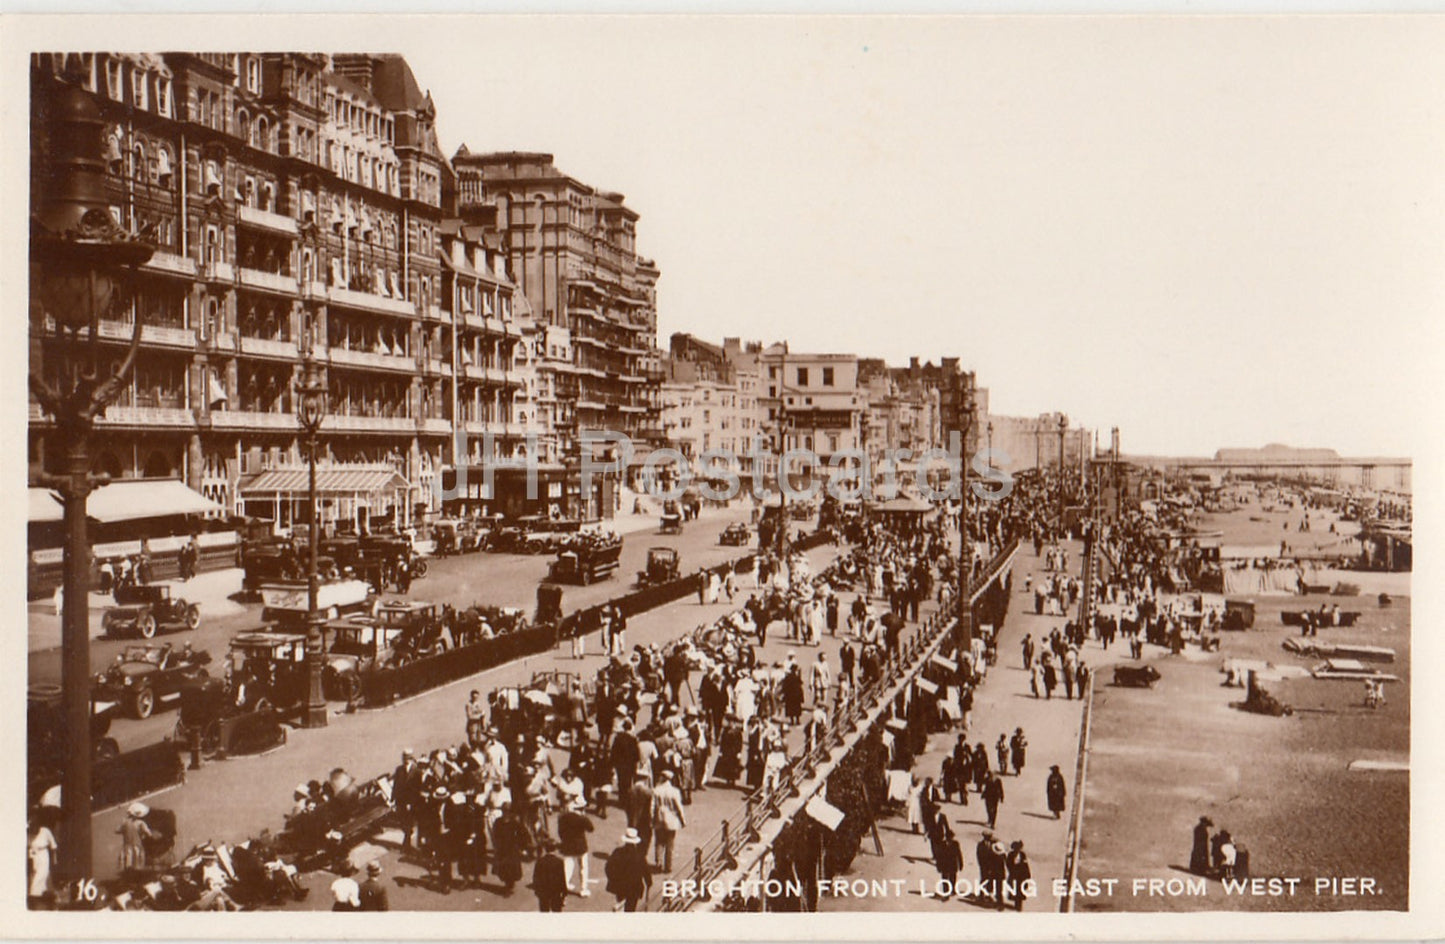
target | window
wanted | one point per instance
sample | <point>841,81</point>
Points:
<point>138,89</point>
<point>802,376</point>
<point>114,72</point>
<point>772,375</point>
<point>163,96</point>
<point>827,376</point>
<point>253,74</point>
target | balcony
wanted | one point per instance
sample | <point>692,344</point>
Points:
<point>313,290</point>
<point>268,281</point>
<point>149,416</point>
<point>218,272</point>
<point>253,419</point>
<point>342,356</point>
<point>161,335</point>
<point>368,424</point>
<point>170,263</point>
<point>265,347</point>
<point>434,425</point>
<point>482,427</point>
<point>368,302</point>
<point>435,366</point>
<point>265,219</point>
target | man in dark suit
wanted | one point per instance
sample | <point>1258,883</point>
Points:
<point>628,877</point>
<point>373,893</point>
<point>992,797</point>
<point>625,757</point>
<point>406,793</point>
<point>549,879</point>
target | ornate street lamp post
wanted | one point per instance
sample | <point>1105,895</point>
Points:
<point>310,411</point>
<point>80,259</point>
<point>990,444</point>
<point>1063,428</point>
<point>963,637</point>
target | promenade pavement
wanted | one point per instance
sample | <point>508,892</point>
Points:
<point>1002,702</point>
<point>233,799</point>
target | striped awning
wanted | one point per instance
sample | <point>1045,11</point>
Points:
<point>288,482</point>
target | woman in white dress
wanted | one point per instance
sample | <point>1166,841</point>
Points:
<point>41,846</point>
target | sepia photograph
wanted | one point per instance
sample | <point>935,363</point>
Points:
<point>682,468</point>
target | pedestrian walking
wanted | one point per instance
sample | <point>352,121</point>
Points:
<point>134,832</point>
<point>373,893</point>
<point>572,829</point>
<point>628,877</point>
<point>1019,873</point>
<point>1018,748</point>
<point>668,819</point>
<point>1199,850</point>
<point>549,879</point>
<point>992,797</point>
<point>1000,750</point>
<point>1056,790</point>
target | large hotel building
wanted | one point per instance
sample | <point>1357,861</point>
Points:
<point>302,210</point>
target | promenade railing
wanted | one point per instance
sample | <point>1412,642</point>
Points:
<point>718,853</point>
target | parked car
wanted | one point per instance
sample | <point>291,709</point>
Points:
<point>145,609</point>
<point>735,535</point>
<point>662,565</point>
<point>266,668</point>
<point>143,677</point>
<point>671,518</point>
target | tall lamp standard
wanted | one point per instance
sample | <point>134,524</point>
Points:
<point>963,637</point>
<point>1063,428</point>
<point>310,412</point>
<point>80,261</point>
<point>990,444</point>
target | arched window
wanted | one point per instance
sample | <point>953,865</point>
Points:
<point>138,161</point>
<point>165,174</point>
<point>263,134</point>
<point>243,125</point>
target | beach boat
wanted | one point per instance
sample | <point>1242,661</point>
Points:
<point>1308,647</point>
<point>1350,670</point>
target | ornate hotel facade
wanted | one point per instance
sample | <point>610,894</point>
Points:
<point>303,212</point>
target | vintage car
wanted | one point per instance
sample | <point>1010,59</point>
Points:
<point>401,632</point>
<point>267,668</point>
<point>662,566</point>
<point>458,536</point>
<point>145,609</point>
<point>209,720</point>
<point>735,535</point>
<point>671,518</point>
<point>585,561</point>
<point>142,677</point>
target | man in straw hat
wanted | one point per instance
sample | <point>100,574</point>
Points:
<point>628,877</point>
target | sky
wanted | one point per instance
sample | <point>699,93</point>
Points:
<point>1206,231</point>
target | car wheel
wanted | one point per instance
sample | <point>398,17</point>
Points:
<point>419,570</point>
<point>193,616</point>
<point>146,626</point>
<point>143,703</point>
